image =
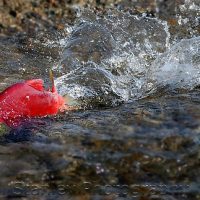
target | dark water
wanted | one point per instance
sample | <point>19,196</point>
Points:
<point>139,134</point>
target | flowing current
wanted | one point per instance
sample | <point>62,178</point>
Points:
<point>122,57</point>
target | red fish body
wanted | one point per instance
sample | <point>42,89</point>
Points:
<point>27,100</point>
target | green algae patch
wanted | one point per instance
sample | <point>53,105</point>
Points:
<point>3,129</point>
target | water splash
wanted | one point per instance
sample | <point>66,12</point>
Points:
<point>106,60</point>
<point>179,67</point>
<point>120,57</point>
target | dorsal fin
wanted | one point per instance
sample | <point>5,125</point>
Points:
<point>38,84</point>
<point>52,81</point>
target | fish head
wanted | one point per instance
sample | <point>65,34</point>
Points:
<point>29,99</point>
<point>42,101</point>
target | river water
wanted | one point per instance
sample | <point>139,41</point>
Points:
<point>136,135</point>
